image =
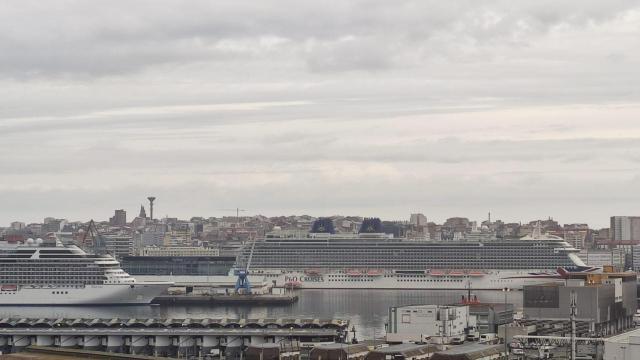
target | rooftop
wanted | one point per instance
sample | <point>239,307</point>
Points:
<point>625,338</point>
<point>468,352</point>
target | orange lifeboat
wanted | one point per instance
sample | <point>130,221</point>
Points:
<point>476,273</point>
<point>312,272</point>
<point>374,272</point>
<point>354,273</point>
<point>9,287</point>
<point>456,273</point>
<point>436,273</point>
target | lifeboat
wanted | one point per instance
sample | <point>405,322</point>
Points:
<point>374,272</point>
<point>456,273</point>
<point>354,273</point>
<point>312,272</point>
<point>476,273</point>
<point>10,287</point>
<point>436,273</point>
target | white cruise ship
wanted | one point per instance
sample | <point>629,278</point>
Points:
<point>48,273</point>
<point>379,261</point>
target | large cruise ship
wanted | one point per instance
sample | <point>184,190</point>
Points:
<point>379,261</point>
<point>48,273</point>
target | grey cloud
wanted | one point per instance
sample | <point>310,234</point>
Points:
<point>300,153</point>
<point>114,38</point>
<point>443,107</point>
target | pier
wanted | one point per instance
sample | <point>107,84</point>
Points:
<point>257,299</point>
<point>166,337</point>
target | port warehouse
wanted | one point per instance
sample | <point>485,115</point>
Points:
<point>165,337</point>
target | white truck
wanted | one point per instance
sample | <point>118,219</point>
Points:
<point>489,338</point>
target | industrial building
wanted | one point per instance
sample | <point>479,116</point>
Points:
<point>420,322</point>
<point>606,303</point>
<point>488,317</point>
<point>184,338</point>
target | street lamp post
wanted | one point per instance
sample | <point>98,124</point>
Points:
<point>506,350</point>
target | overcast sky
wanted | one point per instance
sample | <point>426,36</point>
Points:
<point>527,109</point>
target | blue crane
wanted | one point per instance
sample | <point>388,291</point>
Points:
<point>243,275</point>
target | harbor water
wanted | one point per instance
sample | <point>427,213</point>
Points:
<point>365,309</point>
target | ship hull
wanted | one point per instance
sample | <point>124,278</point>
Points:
<point>108,294</point>
<point>491,280</point>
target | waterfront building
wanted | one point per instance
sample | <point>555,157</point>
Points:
<point>415,323</point>
<point>606,302</point>
<point>489,317</point>
<point>183,251</point>
<point>178,265</point>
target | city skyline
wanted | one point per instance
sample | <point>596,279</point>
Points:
<point>524,109</point>
<point>130,214</point>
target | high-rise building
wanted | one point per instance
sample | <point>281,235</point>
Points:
<point>625,228</point>
<point>119,218</point>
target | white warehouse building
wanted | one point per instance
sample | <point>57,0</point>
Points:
<point>417,323</point>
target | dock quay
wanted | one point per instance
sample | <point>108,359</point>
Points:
<point>166,337</point>
<point>254,299</point>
